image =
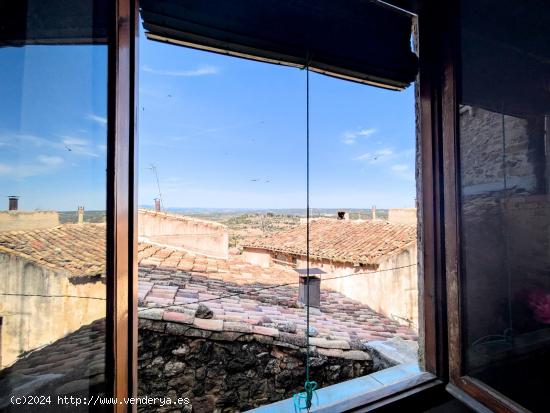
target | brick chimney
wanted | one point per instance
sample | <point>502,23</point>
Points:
<point>80,215</point>
<point>373,210</point>
<point>13,203</point>
<point>342,215</point>
<point>157,204</point>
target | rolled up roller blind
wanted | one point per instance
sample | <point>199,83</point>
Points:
<point>26,22</point>
<point>359,40</point>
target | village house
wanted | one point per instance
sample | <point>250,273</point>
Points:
<point>207,325</point>
<point>370,261</point>
<point>52,281</point>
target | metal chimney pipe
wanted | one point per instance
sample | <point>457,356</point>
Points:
<point>157,204</point>
<point>314,291</point>
<point>13,203</point>
<point>373,212</point>
<point>313,284</point>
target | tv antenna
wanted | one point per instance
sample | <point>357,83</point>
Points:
<point>153,170</point>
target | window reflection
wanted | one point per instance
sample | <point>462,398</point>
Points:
<point>505,213</point>
<point>53,143</point>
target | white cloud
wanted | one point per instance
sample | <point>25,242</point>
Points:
<point>69,140</point>
<point>400,168</point>
<point>21,171</point>
<point>71,144</point>
<point>350,137</point>
<point>45,164</point>
<point>50,160</point>
<point>5,169</point>
<point>385,155</point>
<point>380,155</point>
<point>203,70</point>
<point>403,171</point>
<point>78,146</point>
<point>16,139</point>
<point>98,119</point>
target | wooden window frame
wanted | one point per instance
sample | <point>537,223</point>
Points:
<point>121,322</point>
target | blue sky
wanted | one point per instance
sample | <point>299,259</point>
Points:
<point>53,126</point>
<point>228,132</point>
<point>222,132</point>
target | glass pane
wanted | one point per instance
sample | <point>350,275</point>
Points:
<point>363,216</point>
<point>505,203</point>
<point>53,137</point>
<point>222,234</point>
<point>222,155</point>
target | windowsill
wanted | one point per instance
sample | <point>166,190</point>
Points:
<point>357,392</point>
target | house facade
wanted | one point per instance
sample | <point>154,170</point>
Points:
<point>52,282</point>
<point>373,261</point>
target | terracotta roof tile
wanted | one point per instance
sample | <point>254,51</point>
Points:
<point>354,241</point>
<point>79,250</point>
<point>173,278</point>
<point>236,298</point>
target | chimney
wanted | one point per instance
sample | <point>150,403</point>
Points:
<point>373,210</point>
<point>80,215</point>
<point>157,204</point>
<point>342,215</point>
<point>314,286</point>
<point>13,203</point>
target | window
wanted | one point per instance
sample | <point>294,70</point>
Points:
<point>504,220</point>
<point>51,53</point>
<point>53,234</point>
<point>222,230</point>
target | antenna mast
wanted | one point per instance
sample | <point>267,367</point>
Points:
<point>153,169</point>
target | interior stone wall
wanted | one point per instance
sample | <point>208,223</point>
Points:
<point>493,144</point>
<point>505,220</point>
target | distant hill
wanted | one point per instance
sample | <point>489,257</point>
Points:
<point>217,213</point>
<point>71,217</point>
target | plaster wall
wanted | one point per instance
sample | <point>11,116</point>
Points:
<point>24,221</point>
<point>402,216</point>
<point>194,235</point>
<point>257,256</point>
<point>387,290</point>
<point>31,318</point>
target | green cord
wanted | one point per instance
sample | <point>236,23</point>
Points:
<point>307,395</point>
<point>309,386</point>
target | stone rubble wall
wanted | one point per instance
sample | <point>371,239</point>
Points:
<point>491,144</point>
<point>505,219</point>
<point>232,371</point>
